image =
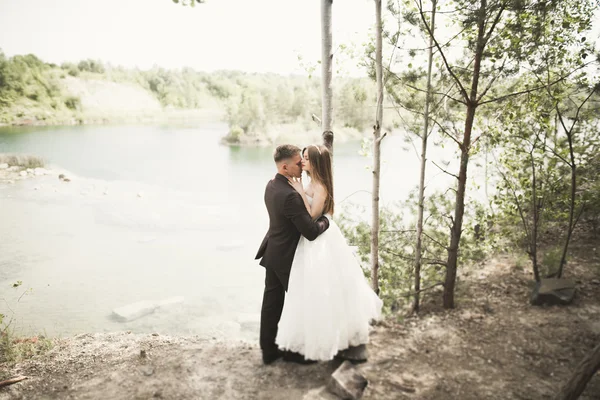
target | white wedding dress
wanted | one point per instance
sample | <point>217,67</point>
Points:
<point>329,304</point>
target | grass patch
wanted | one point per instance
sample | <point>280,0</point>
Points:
<point>16,349</point>
<point>22,160</point>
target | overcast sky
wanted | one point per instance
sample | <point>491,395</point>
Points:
<point>251,35</point>
<point>248,35</point>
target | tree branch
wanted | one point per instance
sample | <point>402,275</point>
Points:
<point>448,67</point>
<point>496,20</point>
<point>12,380</point>
<point>562,78</point>
<point>443,170</point>
<point>435,241</point>
<point>490,83</point>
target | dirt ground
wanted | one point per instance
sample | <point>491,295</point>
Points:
<point>494,345</point>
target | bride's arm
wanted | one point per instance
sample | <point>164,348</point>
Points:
<point>318,203</point>
<point>297,184</point>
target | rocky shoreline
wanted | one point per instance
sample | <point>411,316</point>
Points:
<point>10,174</point>
<point>495,346</point>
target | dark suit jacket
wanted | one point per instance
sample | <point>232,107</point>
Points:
<point>288,219</point>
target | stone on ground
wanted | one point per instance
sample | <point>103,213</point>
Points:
<point>347,382</point>
<point>553,291</point>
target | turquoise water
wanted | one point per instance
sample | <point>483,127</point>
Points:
<point>152,212</point>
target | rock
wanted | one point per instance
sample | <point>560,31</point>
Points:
<point>347,382</point>
<point>134,311</point>
<point>140,194</point>
<point>3,166</point>
<point>139,309</point>
<point>13,168</point>
<point>66,180</point>
<point>553,291</point>
<point>10,182</point>
<point>61,176</point>
<point>40,171</point>
<point>23,173</point>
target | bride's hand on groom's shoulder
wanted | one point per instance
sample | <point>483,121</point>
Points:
<point>296,184</point>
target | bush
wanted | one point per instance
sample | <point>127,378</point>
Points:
<point>73,103</point>
<point>234,135</point>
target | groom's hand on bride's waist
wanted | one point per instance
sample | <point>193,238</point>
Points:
<point>323,221</point>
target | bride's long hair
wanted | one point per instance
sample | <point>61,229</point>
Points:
<point>320,162</point>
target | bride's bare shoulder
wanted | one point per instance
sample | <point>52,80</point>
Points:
<point>319,189</point>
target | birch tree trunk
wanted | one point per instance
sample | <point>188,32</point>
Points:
<point>418,251</point>
<point>326,73</point>
<point>376,149</point>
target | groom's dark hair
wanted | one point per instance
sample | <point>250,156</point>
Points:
<point>285,152</point>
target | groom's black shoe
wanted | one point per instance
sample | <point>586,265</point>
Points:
<point>291,356</point>
<point>271,356</point>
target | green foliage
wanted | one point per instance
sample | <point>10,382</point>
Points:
<point>89,65</point>
<point>538,133</point>
<point>14,349</point>
<point>23,161</point>
<point>398,239</point>
<point>73,103</point>
<point>234,135</point>
<point>32,89</point>
<point>355,100</point>
<point>71,69</point>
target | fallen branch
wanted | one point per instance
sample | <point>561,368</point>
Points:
<point>582,374</point>
<point>11,381</point>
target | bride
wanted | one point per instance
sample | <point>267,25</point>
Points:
<point>329,304</point>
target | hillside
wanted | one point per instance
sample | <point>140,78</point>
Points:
<point>259,108</point>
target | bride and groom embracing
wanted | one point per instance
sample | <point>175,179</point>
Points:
<point>316,300</point>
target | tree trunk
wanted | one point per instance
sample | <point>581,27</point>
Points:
<point>376,150</point>
<point>581,376</point>
<point>563,258</point>
<point>421,209</point>
<point>459,208</point>
<point>326,73</point>
<point>536,218</point>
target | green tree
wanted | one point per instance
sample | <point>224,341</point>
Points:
<point>498,36</point>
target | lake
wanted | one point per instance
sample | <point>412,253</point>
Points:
<point>154,212</point>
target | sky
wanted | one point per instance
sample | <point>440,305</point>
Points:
<point>249,35</point>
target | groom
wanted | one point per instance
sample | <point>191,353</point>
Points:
<point>288,219</point>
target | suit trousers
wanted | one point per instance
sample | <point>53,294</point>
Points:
<point>272,306</point>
